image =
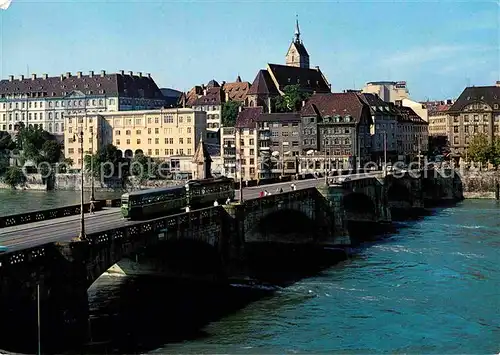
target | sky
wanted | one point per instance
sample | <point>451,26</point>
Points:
<point>437,47</point>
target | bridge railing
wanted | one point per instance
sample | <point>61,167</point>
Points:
<point>37,216</point>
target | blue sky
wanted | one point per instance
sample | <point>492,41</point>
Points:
<point>437,47</point>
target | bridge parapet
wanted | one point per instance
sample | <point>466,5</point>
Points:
<point>37,216</point>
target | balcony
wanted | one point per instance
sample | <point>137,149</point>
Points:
<point>264,137</point>
<point>266,148</point>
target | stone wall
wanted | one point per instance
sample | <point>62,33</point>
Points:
<point>479,184</point>
<point>33,182</point>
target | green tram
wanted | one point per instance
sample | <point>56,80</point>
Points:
<point>171,200</point>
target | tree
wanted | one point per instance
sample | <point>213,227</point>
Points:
<point>494,154</point>
<point>6,142</point>
<point>230,113</point>
<point>14,176</point>
<point>107,161</point>
<point>143,167</point>
<point>51,152</point>
<point>32,140</point>
<point>479,149</point>
<point>291,100</point>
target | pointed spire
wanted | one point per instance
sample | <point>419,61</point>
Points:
<point>297,29</point>
<point>238,79</point>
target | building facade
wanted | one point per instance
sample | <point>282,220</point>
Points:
<point>383,130</point>
<point>343,138</point>
<point>279,144</point>
<point>297,55</point>
<point>247,143</point>
<point>476,111</point>
<point>43,102</point>
<point>412,135</point>
<point>388,91</point>
<point>159,134</point>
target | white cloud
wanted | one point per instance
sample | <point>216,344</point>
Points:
<point>419,55</point>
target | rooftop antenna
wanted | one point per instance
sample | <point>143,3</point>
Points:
<point>468,81</point>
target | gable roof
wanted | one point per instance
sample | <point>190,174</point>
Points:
<point>125,85</point>
<point>213,96</point>
<point>308,79</point>
<point>201,155</point>
<point>333,104</point>
<point>247,117</point>
<point>263,84</point>
<point>278,117</point>
<point>376,104</point>
<point>407,115</point>
<point>236,91</point>
<point>487,94</point>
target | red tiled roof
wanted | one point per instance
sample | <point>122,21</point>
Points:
<point>247,117</point>
<point>236,91</point>
<point>212,97</point>
<point>279,117</point>
<point>333,104</point>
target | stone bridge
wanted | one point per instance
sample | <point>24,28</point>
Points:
<point>209,243</point>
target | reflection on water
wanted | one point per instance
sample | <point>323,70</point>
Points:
<point>21,201</point>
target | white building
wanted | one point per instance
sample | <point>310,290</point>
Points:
<point>389,91</point>
<point>43,102</point>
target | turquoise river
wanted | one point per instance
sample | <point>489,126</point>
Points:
<point>430,287</point>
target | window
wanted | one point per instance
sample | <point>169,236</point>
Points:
<point>128,141</point>
<point>149,130</point>
<point>252,151</point>
<point>157,131</point>
<point>157,121</point>
<point>157,140</point>
<point>189,141</point>
<point>150,152</point>
<point>181,141</point>
<point>150,140</point>
<point>117,142</point>
<point>455,129</point>
<point>455,140</point>
<point>189,130</point>
<point>117,132</point>
<point>157,152</point>
<point>127,132</point>
<point>190,152</point>
<point>71,150</point>
<point>138,141</point>
<point>138,132</point>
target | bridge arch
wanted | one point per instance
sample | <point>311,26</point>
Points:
<point>358,203</point>
<point>398,192</point>
<point>286,221</point>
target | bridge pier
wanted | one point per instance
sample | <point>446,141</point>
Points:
<point>334,195</point>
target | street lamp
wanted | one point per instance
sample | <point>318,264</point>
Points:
<point>385,153</point>
<point>82,218</point>
<point>240,150</point>
<point>92,197</point>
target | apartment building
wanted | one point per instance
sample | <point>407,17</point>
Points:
<point>43,102</point>
<point>228,151</point>
<point>383,129</point>
<point>343,131</point>
<point>412,134</point>
<point>388,91</point>
<point>247,143</point>
<point>279,144</point>
<point>476,111</point>
<point>438,118</point>
<point>160,134</point>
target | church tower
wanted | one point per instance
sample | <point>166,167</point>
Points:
<point>297,55</point>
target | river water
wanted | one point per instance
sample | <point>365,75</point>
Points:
<point>430,287</point>
<point>21,201</point>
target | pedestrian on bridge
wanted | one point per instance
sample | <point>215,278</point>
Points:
<point>91,207</point>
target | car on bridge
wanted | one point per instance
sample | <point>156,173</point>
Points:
<point>3,249</point>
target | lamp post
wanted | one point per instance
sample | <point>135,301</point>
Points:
<point>385,153</point>
<point>82,217</point>
<point>324,161</point>
<point>240,166</point>
<point>92,197</point>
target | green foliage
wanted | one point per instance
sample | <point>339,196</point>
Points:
<point>106,161</point>
<point>230,113</point>
<point>143,167</point>
<point>6,142</point>
<point>479,149</point>
<point>494,155</point>
<point>38,145</point>
<point>291,100</point>
<point>14,176</point>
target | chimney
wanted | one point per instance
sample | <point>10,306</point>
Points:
<point>497,84</point>
<point>91,74</point>
<point>131,73</point>
<point>79,74</point>
<point>45,76</point>
<point>149,75</point>
<point>11,77</point>
<point>140,74</point>
<point>103,73</point>
<point>21,78</point>
<point>68,75</point>
<point>448,102</point>
<point>316,67</point>
<point>122,72</point>
<point>33,76</point>
<point>398,103</point>
<point>62,77</point>
<point>226,96</point>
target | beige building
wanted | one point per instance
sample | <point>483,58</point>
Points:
<point>389,91</point>
<point>476,111</point>
<point>418,107</point>
<point>438,120</point>
<point>155,133</point>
